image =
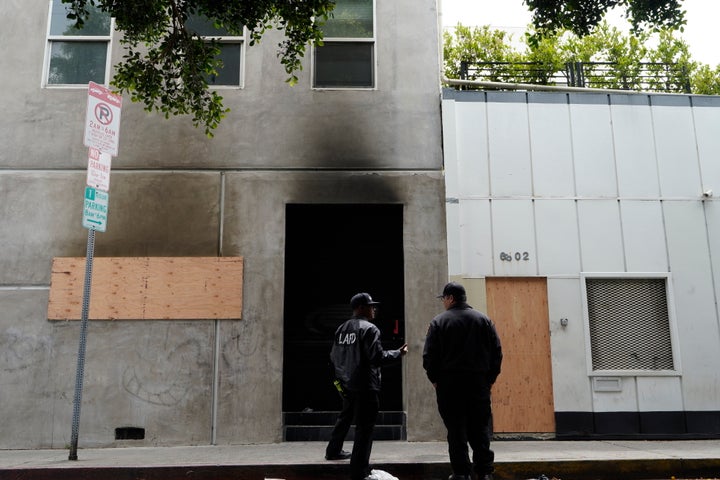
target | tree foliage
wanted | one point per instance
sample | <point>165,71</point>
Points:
<point>166,65</point>
<point>582,16</point>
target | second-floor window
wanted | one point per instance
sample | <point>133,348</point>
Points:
<point>347,57</point>
<point>77,56</point>
<point>231,51</point>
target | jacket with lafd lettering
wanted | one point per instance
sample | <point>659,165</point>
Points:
<point>357,355</point>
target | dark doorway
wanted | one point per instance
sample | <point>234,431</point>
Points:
<point>331,253</point>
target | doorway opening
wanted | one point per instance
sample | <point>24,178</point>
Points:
<point>333,251</point>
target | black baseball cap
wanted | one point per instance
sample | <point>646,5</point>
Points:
<point>454,289</point>
<point>361,299</point>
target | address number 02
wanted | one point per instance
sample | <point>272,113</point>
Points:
<point>517,256</point>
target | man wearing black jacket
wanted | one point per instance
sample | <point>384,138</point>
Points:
<point>357,356</point>
<point>462,358</point>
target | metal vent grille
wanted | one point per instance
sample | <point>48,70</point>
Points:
<point>629,324</point>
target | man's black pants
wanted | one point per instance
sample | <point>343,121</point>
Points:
<point>363,407</point>
<point>464,405</point>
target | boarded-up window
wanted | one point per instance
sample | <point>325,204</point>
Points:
<point>148,288</point>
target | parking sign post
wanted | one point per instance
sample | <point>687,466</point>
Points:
<point>102,131</point>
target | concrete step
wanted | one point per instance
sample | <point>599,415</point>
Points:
<point>317,426</point>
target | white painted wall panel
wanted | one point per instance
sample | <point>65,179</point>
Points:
<point>553,172</point>
<point>509,145</point>
<point>707,134</point>
<point>592,146</point>
<point>712,220</point>
<point>450,153</point>
<point>659,394</point>
<point>557,237</point>
<point>472,148</point>
<point>601,245</point>
<point>513,238</point>
<point>634,146</point>
<point>694,304</point>
<point>476,238</point>
<point>571,388</point>
<point>675,147</point>
<point>644,236</point>
<point>623,401</point>
<point>452,217</point>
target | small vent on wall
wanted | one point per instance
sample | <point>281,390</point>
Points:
<point>629,324</point>
<point>129,433</point>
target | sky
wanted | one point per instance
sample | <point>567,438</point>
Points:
<point>701,32</point>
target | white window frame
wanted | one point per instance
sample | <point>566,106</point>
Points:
<point>373,40</point>
<point>74,38</point>
<point>228,39</point>
<point>672,320</point>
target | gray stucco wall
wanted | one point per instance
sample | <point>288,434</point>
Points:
<point>175,192</point>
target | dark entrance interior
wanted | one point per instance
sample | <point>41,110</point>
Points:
<point>331,253</point>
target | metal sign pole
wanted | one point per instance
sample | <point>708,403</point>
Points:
<point>81,347</point>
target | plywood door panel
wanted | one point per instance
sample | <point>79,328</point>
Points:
<point>523,395</point>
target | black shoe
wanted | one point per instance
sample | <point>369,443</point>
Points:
<point>487,476</point>
<point>460,477</point>
<point>341,455</point>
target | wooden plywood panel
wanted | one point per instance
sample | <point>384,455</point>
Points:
<point>523,394</point>
<point>148,288</point>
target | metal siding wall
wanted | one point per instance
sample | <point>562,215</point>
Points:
<point>659,394</point>
<point>592,146</point>
<point>513,241</point>
<point>615,188</point>
<point>600,236</point>
<point>676,148</point>
<point>571,385</point>
<point>454,239</point>
<point>452,208</point>
<point>472,149</point>
<point>551,145</point>
<point>634,146</point>
<point>712,219</point>
<point>476,238</point>
<point>558,249</point>
<point>695,304</point>
<point>622,401</point>
<point>706,114</point>
<point>509,145</point>
<point>643,236</point>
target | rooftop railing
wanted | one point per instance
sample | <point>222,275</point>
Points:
<point>645,76</point>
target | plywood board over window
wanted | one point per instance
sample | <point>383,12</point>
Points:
<point>148,288</point>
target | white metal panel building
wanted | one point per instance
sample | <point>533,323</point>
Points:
<point>607,200</point>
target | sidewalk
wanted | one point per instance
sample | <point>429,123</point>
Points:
<point>515,460</point>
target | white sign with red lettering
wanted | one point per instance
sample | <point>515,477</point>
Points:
<point>102,120</point>
<point>98,171</point>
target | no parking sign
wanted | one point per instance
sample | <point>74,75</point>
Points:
<point>102,119</point>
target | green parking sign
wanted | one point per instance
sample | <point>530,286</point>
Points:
<point>95,209</point>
